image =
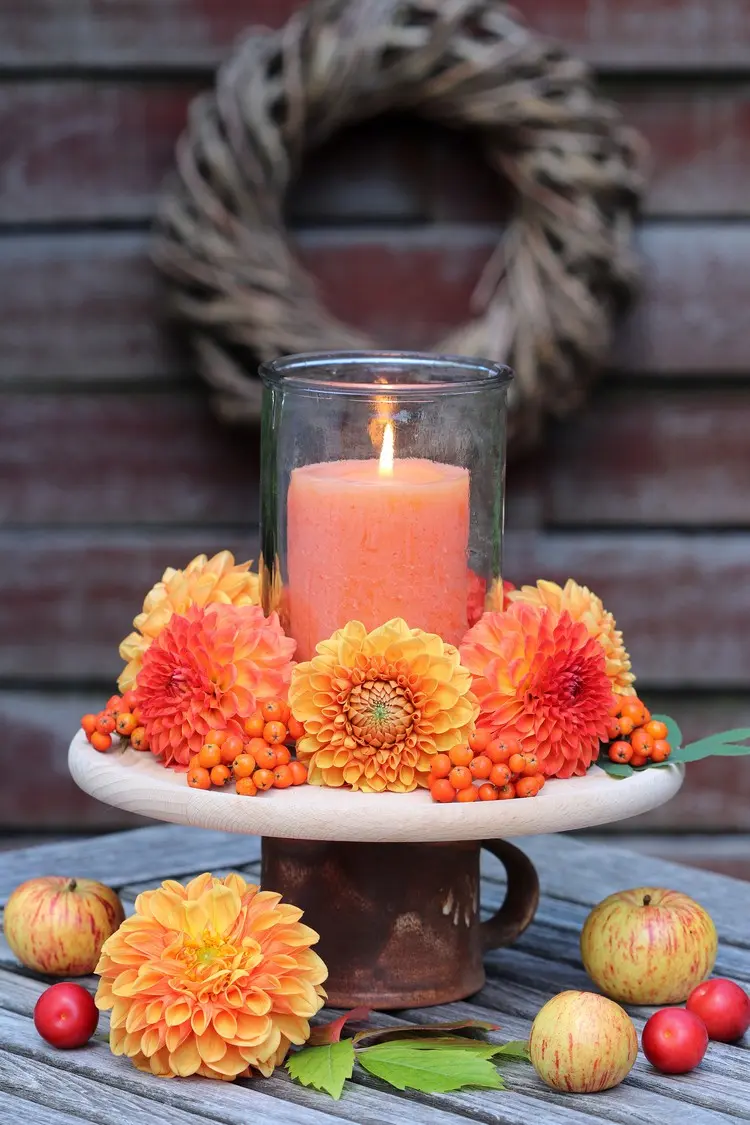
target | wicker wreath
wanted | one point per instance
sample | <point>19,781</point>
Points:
<point>548,297</point>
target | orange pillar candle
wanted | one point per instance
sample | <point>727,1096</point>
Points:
<point>371,540</point>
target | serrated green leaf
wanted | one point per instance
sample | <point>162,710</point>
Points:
<point>674,734</point>
<point>325,1068</point>
<point>401,1031</point>
<point>430,1071</point>
<point>439,1043</point>
<point>516,1049</point>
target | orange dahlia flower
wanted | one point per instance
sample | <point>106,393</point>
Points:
<point>214,978</point>
<point>377,706</point>
<point>584,606</point>
<point>541,678</point>
<point>206,671</point>
<point>203,582</point>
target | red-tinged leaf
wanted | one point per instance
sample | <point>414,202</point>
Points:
<point>381,1034</point>
<point>331,1032</point>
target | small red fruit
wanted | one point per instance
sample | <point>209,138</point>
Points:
<point>460,777</point>
<point>283,777</point>
<point>114,705</point>
<point>441,766</point>
<point>674,1040</point>
<point>481,767</point>
<point>230,747</point>
<point>100,742</point>
<point>465,796</point>
<point>500,774</point>
<point>65,1015</point>
<point>442,791</point>
<point>501,749</point>
<point>488,792</point>
<point>138,739</point>
<point>620,752</point>
<point>125,724</point>
<point>220,775</point>
<point>274,731</point>
<point>88,722</point>
<point>299,772</point>
<point>526,787</point>
<point>723,1007</point>
<point>105,723</point>
<point>294,728</point>
<point>263,779</point>
<point>199,778</point>
<point>480,739</point>
<point>246,787</point>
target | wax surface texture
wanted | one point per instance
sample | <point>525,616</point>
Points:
<point>369,546</point>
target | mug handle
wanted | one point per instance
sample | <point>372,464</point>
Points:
<point>521,897</point>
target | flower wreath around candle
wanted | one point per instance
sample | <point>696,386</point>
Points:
<point>378,706</point>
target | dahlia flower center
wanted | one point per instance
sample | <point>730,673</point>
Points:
<point>212,955</point>
<point>379,713</point>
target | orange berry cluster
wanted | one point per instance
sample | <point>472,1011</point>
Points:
<point>258,761</point>
<point>487,769</point>
<point>636,738</point>
<point>119,717</point>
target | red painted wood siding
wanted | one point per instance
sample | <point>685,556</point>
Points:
<point>112,467</point>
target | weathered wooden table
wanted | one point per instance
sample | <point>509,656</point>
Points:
<point>42,1086</point>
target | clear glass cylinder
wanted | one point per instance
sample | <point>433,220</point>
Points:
<point>382,491</point>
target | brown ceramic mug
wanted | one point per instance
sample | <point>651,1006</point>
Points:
<point>399,924</point>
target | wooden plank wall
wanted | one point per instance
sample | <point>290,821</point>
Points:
<point>112,467</point>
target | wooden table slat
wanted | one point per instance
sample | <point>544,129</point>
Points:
<point>14,1110</point>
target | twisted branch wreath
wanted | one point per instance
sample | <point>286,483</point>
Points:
<point>563,268</point>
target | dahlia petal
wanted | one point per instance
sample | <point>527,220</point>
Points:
<point>186,1059</point>
<point>211,1046</point>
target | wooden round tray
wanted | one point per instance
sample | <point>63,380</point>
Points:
<point>138,783</point>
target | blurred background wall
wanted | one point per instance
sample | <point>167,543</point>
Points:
<point>112,467</point>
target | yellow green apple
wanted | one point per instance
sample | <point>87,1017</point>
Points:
<point>648,946</point>
<point>582,1043</point>
<point>58,926</point>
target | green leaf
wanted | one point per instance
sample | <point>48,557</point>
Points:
<point>325,1068</point>
<point>617,770</point>
<point>401,1031</point>
<point>331,1032</point>
<point>517,1049</point>
<point>724,744</point>
<point>434,1071</point>
<point>674,734</point>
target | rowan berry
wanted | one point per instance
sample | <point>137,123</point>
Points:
<point>295,728</point>
<point>481,767</point>
<point>532,766</point>
<point>114,705</point>
<point>100,742</point>
<point>634,709</point>
<point>230,748</point>
<point>657,729</point>
<point>88,723</point>
<point>642,742</point>
<point>461,754</point>
<point>128,700</point>
<point>220,775</point>
<point>506,792</point>
<point>274,731</point>
<point>299,772</point>
<point>246,787</point>
<point>620,752</point>
<point>219,737</point>
<point>661,750</point>
<point>637,761</point>
<point>105,723</point>
<point>487,792</point>
<point>263,779</point>
<point>265,759</point>
<point>526,787</point>
<point>209,755</point>
<point>517,763</point>
<point>442,791</point>
<point>626,724</point>
<point>139,739</point>
<point>501,749</point>
<point>283,757</point>
<point>480,739</point>
<point>614,730</point>
<point>440,765</point>
<point>273,710</point>
<point>125,724</point>
<point>243,766</point>
<point>460,777</point>
<point>540,780</point>
<point>283,777</point>
<point>500,774</point>
<point>199,778</point>
<point>254,724</point>
<point>467,795</point>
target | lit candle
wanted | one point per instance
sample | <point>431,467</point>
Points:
<point>375,539</point>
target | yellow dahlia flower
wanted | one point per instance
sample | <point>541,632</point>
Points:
<point>377,706</point>
<point>214,978</point>
<point>203,582</point>
<point>584,606</point>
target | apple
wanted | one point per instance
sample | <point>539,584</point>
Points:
<point>581,1043</point>
<point>58,926</point>
<point>674,1040</point>
<point>66,1015</point>
<point>724,1008</point>
<point>648,946</point>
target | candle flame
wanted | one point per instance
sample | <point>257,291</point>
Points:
<point>386,452</point>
